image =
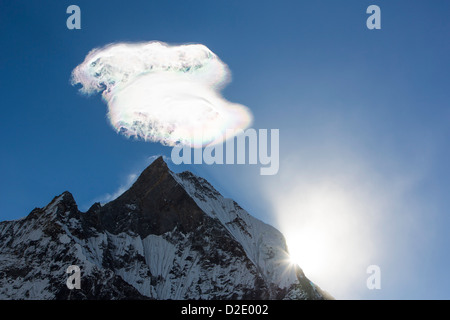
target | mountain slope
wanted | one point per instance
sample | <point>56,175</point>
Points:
<point>170,236</point>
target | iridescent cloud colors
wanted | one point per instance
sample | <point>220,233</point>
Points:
<point>162,93</point>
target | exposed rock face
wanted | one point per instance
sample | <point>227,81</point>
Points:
<point>170,236</point>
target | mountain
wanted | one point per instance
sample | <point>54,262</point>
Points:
<point>170,236</point>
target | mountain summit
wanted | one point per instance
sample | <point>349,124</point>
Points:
<point>170,236</point>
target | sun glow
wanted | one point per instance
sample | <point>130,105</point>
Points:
<point>322,228</point>
<point>328,230</point>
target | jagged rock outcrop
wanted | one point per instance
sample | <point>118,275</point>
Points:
<point>170,236</point>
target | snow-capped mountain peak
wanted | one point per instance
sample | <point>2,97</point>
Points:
<point>170,236</point>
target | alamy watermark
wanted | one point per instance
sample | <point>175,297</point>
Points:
<point>74,20</point>
<point>374,20</point>
<point>237,147</point>
<point>374,280</point>
<point>74,280</point>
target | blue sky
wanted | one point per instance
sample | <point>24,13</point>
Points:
<point>363,118</point>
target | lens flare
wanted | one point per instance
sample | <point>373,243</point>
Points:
<point>162,93</point>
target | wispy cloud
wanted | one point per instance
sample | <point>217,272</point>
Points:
<point>128,182</point>
<point>130,179</point>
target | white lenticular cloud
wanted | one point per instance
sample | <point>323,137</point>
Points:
<point>162,93</point>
